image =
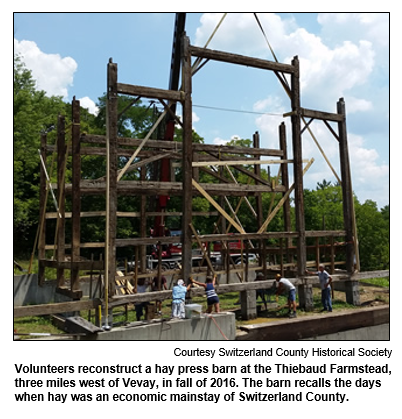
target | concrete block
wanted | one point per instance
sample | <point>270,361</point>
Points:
<point>220,326</point>
<point>248,303</point>
<point>352,292</point>
<point>305,292</point>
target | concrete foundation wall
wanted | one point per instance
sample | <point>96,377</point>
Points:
<point>214,327</point>
<point>380,332</point>
<point>370,323</point>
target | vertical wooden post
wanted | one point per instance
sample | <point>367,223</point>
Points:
<point>143,224</point>
<point>298,168</point>
<point>42,214</point>
<point>258,204</point>
<point>187,160</point>
<point>347,192</point>
<point>257,171</point>
<point>111,179</point>
<point>76,194</point>
<point>332,256</point>
<point>317,252</point>
<point>61,221</point>
<point>285,183</point>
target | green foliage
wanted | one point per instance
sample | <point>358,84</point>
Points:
<point>34,113</point>
<point>373,232</point>
<point>324,211</point>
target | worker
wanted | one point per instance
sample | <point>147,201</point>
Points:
<point>284,285</point>
<point>262,292</point>
<point>212,296</point>
<point>179,292</point>
<point>325,284</point>
<point>155,287</point>
<point>142,286</point>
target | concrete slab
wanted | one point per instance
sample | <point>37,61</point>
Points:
<point>220,326</point>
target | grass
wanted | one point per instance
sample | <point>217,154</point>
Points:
<point>42,324</point>
<point>379,282</point>
<point>228,302</point>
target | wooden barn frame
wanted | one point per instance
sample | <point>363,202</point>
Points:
<point>192,158</point>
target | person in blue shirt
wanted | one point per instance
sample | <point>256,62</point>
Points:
<point>325,284</point>
<point>212,296</point>
<point>179,292</point>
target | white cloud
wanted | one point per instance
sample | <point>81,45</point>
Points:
<point>220,141</point>
<point>87,103</point>
<point>195,117</point>
<point>341,60</point>
<point>52,73</point>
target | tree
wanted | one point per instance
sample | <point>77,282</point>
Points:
<point>373,234</point>
<point>34,113</point>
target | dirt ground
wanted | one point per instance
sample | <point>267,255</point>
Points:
<point>371,295</point>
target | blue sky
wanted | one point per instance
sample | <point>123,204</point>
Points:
<point>341,55</point>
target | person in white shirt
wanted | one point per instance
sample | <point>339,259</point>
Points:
<point>325,284</point>
<point>284,285</point>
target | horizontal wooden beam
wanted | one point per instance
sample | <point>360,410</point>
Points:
<point>177,146</point>
<point>173,188</point>
<point>234,162</point>
<point>149,92</point>
<point>323,116</point>
<point>134,214</point>
<point>208,238</point>
<point>241,60</point>
<point>45,309</point>
<point>81,265</point>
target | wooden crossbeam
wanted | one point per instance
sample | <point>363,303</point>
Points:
<point>282,201</point>
<point>217,206</point>
<point>147,137</point>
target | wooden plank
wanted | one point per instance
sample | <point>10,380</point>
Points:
<point>234,162</point>
<point>134,214</point>
<point>282,201</point>
<point>149,92</point>
<point>77,324</point>
<point>111,180</point>
<point>324,116</point>
<point>187,160</point>
<point>349,220</point>
<point>240,59</point>
<point>76,194</point>
<point>298,167</point>
<point>218,207</point>
<point>42,214</point>
<point>147,137</point>
<point>61,170</point>
<point>175,145</point>
<point>44,309</point>
<point>78,264</point>
<point>134,187</point>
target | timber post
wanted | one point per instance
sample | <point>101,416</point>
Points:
<point>305,290</point>
<point>76,199</point>
<point>111,179</point>
<point>285,183</point>
<point>42,213</point>
<point>298,168</point>
<point>61,221</point>
<point>347,192</point>
<point>187,161</point>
